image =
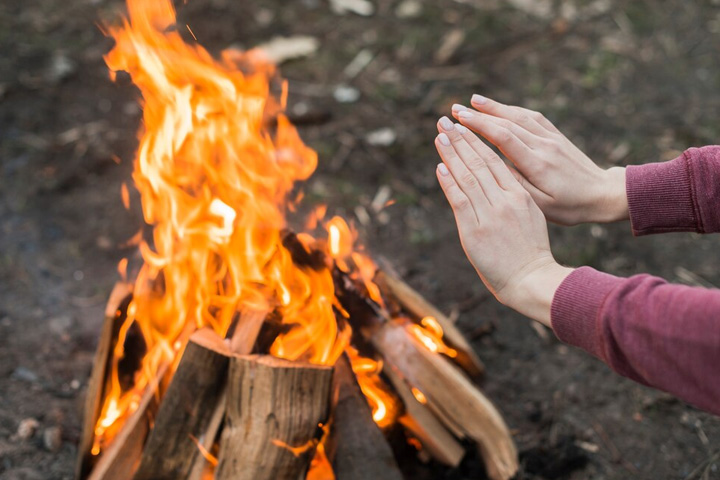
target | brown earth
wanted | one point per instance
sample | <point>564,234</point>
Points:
<point>631,81</point>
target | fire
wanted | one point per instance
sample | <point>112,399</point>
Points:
<point>216,168</point>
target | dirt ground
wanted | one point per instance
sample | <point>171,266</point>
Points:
<point>631,81</point>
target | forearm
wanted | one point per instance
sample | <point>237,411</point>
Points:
<point>658,334</point>
<point>682,195</point>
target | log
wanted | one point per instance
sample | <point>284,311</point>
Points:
<point>114,317</point>
<point>420,421</point>
<point>119,460</point>
<point>414,303</point>
<point>357,447</point>
<point>449,391</point>
<point>274,409</point>
<point>241,342</point>
<point>187,409</point>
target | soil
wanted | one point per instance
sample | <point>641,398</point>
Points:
<point>631,81</point>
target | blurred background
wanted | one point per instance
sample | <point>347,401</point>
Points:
<point>630,81</point>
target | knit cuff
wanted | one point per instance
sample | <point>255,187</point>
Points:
<point>576,306</point>
<point>660,197</point>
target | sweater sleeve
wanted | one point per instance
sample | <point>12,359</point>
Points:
<point>682,195</point>
<point>661,335</point>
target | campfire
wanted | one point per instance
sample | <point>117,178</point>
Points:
<point>248,343</point>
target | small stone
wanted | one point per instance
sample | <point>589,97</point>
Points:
<point>61,67</point>
<point>383,137</point>
<point>52,438</point>
<point>27,428</point>
<point>60,324</point>
<point>75,384</point>
<point>346,94</point>
<point>409,9</point>
<point>25,374</point>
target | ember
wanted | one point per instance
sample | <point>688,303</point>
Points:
<point>224,277</point>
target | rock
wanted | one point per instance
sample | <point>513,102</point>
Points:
<point>52,439</point>
<point>409,9</point>
<point>25,374</point>
<point>358,7</point>
<point>346,94</point>
<point>383,137</point>
<point>60,68</point>
<point>27,428</point>
<point>60,325</point>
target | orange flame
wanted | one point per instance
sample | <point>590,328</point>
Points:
<point>383,404</point>
<point>214,179</point>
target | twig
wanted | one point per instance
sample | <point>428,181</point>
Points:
<point>703,465</point>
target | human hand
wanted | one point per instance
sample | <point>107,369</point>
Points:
<point>563,181</point>
<point>502,230</point>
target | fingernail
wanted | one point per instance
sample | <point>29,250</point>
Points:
<point>458,108</point>
<point>461,129</point>
<point>479,99</point>
<point>446,123</point>
<point>444,139</point>
<point>465,115</point>
<point>443,170</point>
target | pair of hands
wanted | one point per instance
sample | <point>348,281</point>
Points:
<point>501,212</point>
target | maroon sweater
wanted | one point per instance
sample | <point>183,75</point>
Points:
<point>662,335</point>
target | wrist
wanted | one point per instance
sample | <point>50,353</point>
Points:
<point>613,206</point>
<point>533,293</point>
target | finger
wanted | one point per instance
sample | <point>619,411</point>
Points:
<point>519,117</point>
<point>461,205</point>
<point>465,180</point>
<point>501,137</point>
<point>474,162</point>
<point>528,138</point>
<point>500,171</point>
<point>522,116</point>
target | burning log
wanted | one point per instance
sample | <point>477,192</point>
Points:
<point>274,409</point>
<point>93,398</point>
<point>187,411</point>
<point>358,448</point>
<point>119,461</point>
<point>421,422</point>
<point>416,305</point>
<point>451,394</point>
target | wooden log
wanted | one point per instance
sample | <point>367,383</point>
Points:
<point>450,392</point>
<point>416,305</point>
<point>119,460</point>
<point>357,447</point>
<point>187,409</point>
<point>241,342</point>
<point>114,317</point>
<point>274,409</point>
<point>420,421</point>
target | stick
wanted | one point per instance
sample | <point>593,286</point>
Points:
<point>103,356</point>
<point>421,422</point>
<point>119,460</point>
<point>449,391</point>
<point>417,306</point>
<point>274,408</point>
<point>357,448</point>
<point>187,409</point>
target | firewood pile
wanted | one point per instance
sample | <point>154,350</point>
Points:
<point>230,410</point>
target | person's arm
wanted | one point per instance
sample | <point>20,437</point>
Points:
<point>680,195</point>
<point>662,335</point>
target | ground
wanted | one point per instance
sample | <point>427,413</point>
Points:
<point>631,81</point>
